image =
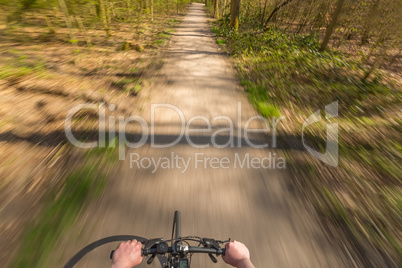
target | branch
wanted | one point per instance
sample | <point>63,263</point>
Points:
<point>276,10</point>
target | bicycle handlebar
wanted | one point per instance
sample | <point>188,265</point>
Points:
<point>158,246</point>
<point>221,251</point>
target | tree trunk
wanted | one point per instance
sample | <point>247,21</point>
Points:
<point>263,13</point>
<point>108,6</point>
<point>368,22</point>
<point>177,6</point>
<point>276,10</point>
<point>332,24</point>
<point>83,30</point>
<point>234,16</point>
<point>138,22</point>
<point>49,24</point>
<point>67,18</point>
<point>320,17</point>
<point>129,9</point>
<point>152,10</point>
<point>379,57</point>
<point>103,17</point>
<point>216,9</point>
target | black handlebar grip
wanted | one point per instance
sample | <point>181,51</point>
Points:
<point>111,253</point>
<point>223,251</point>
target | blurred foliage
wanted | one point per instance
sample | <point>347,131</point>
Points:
<point>288,69</point>
<point>20,66</point>
<point>285,73</point>
<point>81,29</point>
<point>64,204</point>
<point>79,16</point>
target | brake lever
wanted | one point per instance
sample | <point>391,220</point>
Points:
<point>152,243</point>
<point>213,259</point>
<point>111,254</point>
<point>151,259</point>
<point>224,242</point>
<point>211,243</point>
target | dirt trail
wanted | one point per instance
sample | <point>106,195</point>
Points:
<point>255,206</point>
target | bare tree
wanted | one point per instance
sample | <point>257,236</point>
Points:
<point>368,22</point>
<point>332,24</point>
<point>276,10</point>
<point>103,16</point>
<point>152,10</point>
<point>263,13</point>
<point>83,30</point>
<point>67,18</point>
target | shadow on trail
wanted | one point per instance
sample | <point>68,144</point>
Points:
<point>225,141</point>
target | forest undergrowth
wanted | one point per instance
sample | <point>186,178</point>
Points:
<point>287,74</point>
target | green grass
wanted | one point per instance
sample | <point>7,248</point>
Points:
<point>123,82</point>
<point>59,215</point>
<point>11,71</point>
<point>134,70</point>
<point>220,41</point>
<point>108,152</point>
<point>268,110</point>
<point>21,66</point>
<point>164,35</point>
<point>129,85</point>
<point>62,207</point>
<point>74,41</point>
<point>159,42</point>
<point>135,89</point>
<point>290,69</point>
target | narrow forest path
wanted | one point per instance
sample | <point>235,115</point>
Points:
<point>254,205</point>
